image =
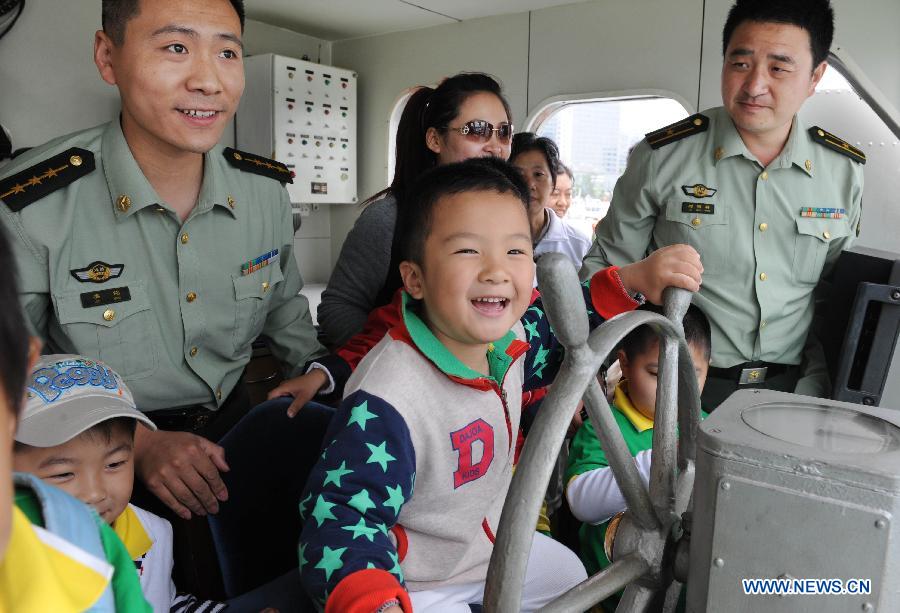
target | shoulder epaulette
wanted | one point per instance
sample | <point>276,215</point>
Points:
<point>695,124</point>
<point>836,143</point>
<point>258,165</point>
<point>32,184</point>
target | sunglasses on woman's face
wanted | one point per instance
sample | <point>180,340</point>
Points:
<point>481,131</point>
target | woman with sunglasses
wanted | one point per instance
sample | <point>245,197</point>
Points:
<point>537,157</point>
<point>465,116</point>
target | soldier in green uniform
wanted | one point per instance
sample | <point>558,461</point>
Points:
<point>146,245</point>
<point>767,201</point>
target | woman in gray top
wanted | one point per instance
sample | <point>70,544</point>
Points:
<point>465,116</point>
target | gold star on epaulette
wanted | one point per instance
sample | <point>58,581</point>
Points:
<point>836,143</point>
<point>258,165</point>
<point>32,184</point>
<point>695,124</point>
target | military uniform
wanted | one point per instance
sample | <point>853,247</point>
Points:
<point>765,235</point>
<point>108,270</point>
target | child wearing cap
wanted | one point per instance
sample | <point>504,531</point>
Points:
<point>55,553</point>
<point>77,433</point>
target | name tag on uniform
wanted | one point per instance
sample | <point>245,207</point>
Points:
<point>822,213</point>
<point>258,262</point>
<point>703,208</point>
<point>106,296</point>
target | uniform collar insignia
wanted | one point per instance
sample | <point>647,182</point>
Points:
<point>98,272</point>
<point>698,190</point>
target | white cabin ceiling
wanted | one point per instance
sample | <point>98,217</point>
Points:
<point>343,19</point>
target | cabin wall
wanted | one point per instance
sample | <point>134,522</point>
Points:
<point>50,85</point>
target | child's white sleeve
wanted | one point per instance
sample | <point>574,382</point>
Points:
<point>595,497</point>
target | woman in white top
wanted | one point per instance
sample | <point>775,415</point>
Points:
<point>537,157</point>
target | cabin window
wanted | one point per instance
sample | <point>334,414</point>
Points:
<point>595,137</point>
<point>843,106</point>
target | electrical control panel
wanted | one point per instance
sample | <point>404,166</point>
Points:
<point>302,114</point>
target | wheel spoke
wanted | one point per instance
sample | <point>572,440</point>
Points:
<point>602,585</point>
<point>637,598</point>
<point>662,470</point>
<point>688,407</point>
<point>672,596</point>
<point>518,519</point>
<point>620,461</point>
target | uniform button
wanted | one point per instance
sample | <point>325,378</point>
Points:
<point>191,296</point>
<point>763,323</point>
<point>265,286</point>
<point>808,165</point>
<point>696,222</point>
<point>826,234</point>
<point>123,203</point>
<point>763,276</point>
<point>109,315</point>
<point>764,175</point>
<point>230,201</point>
<point>160,209</point>
<point>219,394</point>
<point>184,238</point>
<point>76,160</point>
<point>194,351</point>
<point>763,227</point>
<point>720,153</point>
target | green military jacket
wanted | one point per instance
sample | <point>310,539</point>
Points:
<point>762,255</point>
<point>107,269</point>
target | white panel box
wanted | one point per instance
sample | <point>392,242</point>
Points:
<point>304,115</point>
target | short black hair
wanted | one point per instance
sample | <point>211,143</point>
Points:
<point>115,15</point>
<point>529,141</point>
<point>13,331</point>
<point>474,175</point>
<point>814,16</point>
<point>696,333</point>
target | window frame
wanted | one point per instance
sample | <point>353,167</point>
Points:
<point>549,106</point>
<point>841,60</point>
<point>392,124</point>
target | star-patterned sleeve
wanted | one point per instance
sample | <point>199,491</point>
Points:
<point>604,297</point>
<point>348,560</point>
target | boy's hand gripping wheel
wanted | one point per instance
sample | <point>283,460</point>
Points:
<point>646,547</point>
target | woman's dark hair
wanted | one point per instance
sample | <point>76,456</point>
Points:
<point>426,108</point>
<point>529,141</point>
<point>13,332</point>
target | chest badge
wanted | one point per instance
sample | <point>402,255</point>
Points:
<point>98,272</point>
<point>698,191</point>
<point>259,262</point>
<point>822,213</point>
